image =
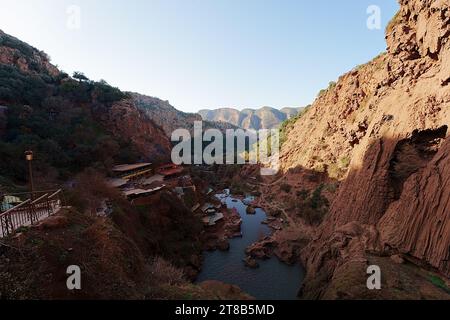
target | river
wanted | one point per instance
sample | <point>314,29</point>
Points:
<point>273,280</point>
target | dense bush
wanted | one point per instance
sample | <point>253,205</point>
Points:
<point>55,118</point>
<point>163,272</point>
<point>17,87</point>
<point>104,93</point>
<point>286,188</point>
<point>313,208</point>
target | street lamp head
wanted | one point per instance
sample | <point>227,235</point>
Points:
<point>29,155</point>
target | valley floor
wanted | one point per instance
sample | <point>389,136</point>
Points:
<point>402,277</point>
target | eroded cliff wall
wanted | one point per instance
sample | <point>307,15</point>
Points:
<point>390,119</point>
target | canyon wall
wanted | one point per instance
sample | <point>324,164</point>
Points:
<point>388,121</point>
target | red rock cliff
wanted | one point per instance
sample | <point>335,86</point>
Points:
<point>390,119</point>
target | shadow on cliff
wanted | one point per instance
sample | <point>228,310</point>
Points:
<point>396,201</point>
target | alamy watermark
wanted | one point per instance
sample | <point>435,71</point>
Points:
<point>73,21</point>
<point>234,146</point>
<point>374,279</point>
<point>74,279</point>
<point>374,20</point>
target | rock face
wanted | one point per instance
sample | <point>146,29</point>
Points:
<point>389,121</point>
<point>418,223</point>
<point>24,56</point>
<point>223,291</point>
<point>164,114</point>
<point>126,120</point>
<point>264,118</point>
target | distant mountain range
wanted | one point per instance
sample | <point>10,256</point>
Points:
<point>264,118</point>
<point>169,118</point>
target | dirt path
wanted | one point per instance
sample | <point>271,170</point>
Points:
<point>274,206</point>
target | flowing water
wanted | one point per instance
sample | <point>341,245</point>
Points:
<point>273,280</point>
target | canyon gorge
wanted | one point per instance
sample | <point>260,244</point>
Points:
<point>364,180</point>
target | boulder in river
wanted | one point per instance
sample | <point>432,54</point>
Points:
<point>397,259</point>
<point>223,245</point>
<point>251,263</point>
<point>251,210</point>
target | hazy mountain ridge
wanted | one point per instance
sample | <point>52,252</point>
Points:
<point>263,118</point>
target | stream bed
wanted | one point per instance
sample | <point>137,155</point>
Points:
<point>273,280</point>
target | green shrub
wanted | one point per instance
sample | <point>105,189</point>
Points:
<point>331,86</point>
<point>438,282</point>
<point>286,187</point>
<point>313,208</point>
<point>287,125</point>
<point>303,194</point>
<point>104,93</point>
<point>17,87</point>
<point>344,162</point>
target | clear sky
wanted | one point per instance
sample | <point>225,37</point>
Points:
<point>205,53</point>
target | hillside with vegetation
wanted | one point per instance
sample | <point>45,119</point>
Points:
<point>71,123</point>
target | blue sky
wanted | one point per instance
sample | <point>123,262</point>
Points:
<point>205,53</point>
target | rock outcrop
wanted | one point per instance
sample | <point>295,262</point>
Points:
<point>389,121</point>
<point>25,57</point>
<point>163,114</point>
<point>124,119</point>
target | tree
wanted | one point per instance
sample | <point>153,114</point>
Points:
<point>80,76</point>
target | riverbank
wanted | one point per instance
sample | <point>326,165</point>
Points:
<point>270,278</point>
<point>288,236</point>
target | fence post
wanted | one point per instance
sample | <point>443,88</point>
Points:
<point>8,225</point>
<point>48,206</point>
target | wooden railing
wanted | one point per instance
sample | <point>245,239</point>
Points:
<point>30,212</point>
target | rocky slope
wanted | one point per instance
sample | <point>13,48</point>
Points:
<point>125,119</point>
<point>25,57</point>
<point>70,123</point>
<point>120,257</point>
<point>164,114</point>
<point>169,118</point>
<point>264,118</point>
<point>382,130</point>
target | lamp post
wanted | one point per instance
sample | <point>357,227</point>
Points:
<point>29,158</point>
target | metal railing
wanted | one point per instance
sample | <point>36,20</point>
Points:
<point>30,212</point>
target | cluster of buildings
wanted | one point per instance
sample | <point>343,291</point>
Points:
<point>143,179</point>
<point>140,180</point>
